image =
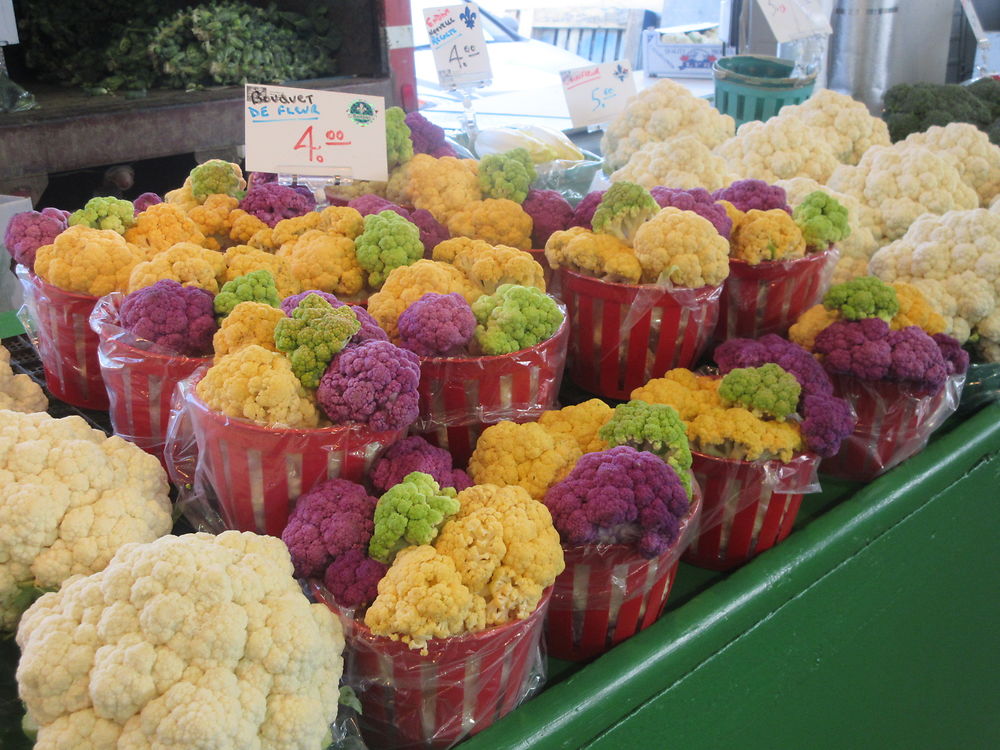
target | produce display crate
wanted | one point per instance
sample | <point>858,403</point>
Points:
<point>871,626</point>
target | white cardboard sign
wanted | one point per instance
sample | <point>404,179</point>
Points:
<point>8,26</point>
<point>795,19</point>
<point>458,44</point>
<point>314,133</point>
<point>596,94</point>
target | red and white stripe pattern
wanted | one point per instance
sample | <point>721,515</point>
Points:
<point>623,335</point>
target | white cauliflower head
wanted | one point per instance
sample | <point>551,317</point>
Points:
<point>842,122</point>
<point>969,150</point>
<point>778,149</point>
<point>69,498</point>
<point>664,110</point>
<point>198,641</point>
<point>683,162</point>
<point>19,392</point>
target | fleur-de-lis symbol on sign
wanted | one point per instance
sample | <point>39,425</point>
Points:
<point>620,73</point>
<point>469,16</point>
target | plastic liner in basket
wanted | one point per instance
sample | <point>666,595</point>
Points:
<point>608,593</point>
<point>982,386</point>
<point>769,297</point>
<point>249,474</point>
<point>462,685</point>
<point>748,506</point>
<point>461,396</point>
<point>58,324</point>
<point>140,377</point>
<point>623,335</point>
<point>895,422</point>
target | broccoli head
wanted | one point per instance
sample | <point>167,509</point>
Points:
<point>314,333</point>
<point>624,207</point>
<point>515,317</point>
<point>822,219</point>
<point>863,297</point>
<point>256,286</point>
<point>410,513</point>
<point>913,107</point>
<point>767,391</point>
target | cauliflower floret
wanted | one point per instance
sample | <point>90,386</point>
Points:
<point>683,162</point>
<point>19,392</point>
<point>778,149</point>
<point>842,122</point>
<point>969,150</point>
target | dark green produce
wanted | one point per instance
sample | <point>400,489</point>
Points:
<point>914,107</point>
<point>988,89</point>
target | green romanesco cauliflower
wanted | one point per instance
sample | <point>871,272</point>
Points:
<point>507,175</point>
<point>515,317</point>
<point>216,176</point>
<point>398,144</point>
<point>256,286</point>
<point>411,512</point>
<point>863,297</point>
<point>387,242</point>
<point>624,208</point>
<point>313,335</point>
<point>822,219</point>
<point>656,428</point>
<point>767,391</point>
<point>105,213</point>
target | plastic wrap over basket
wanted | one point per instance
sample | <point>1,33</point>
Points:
<point>58,323</point>
<point>608,593</point>
<point>894,423</point>
<point>462,685</point>
<point>140,377</point>
<point>460,397</point>
<point>748,506</point>
<point>623,335</point>
<point>256,471</point>
<point>769,297</point>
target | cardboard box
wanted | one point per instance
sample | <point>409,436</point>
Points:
<point>691,60</point>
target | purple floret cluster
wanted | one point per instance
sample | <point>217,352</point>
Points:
<point>144,201</point>
<point>698,200</point>
<point>178,318</point>
<point>431,230</point>
<point>328,534</point>
<point>30,230</point>
<point>373,383</point>
<point>619,496</point>
<point>271,202</point>
<point>826,421</point>
<point>549,213</point>
<point>956,359</point>
<point>370,329</point>
<point>416,454</point>
<point>369,203</point>
<point>437,325</point>
<point>583,214</point>
<point>748,194</point>
<point>427,137</point>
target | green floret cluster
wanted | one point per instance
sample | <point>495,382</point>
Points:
<point>217,176</point>
<point>105,213</point>
<point>398,144</point>
<point>624,207</point>
<point>256,286</point>
<point>656,428</point>
<point>515,317</point>
<point>313,335</point>
<point>508,175</point>
<point>863,297</point>
<point>822,219</point>
<point>914,107</point>
<point>409,513</point>
<point>388,241</point>
<point>767,391</point>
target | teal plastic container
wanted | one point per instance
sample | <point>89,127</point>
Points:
<point>755,87</point>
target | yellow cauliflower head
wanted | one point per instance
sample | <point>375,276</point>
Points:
<point>186,263</point>
<point>87,261</point>
<point>498,221</point>
<point>324,261</point>
<point>683,247</point>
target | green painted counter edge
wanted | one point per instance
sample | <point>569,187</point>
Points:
<point>10,325</point>
<point>577,710</point>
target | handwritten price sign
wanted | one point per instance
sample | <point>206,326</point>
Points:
<point>8,27</point>
<point>795,19</point>
<point>597,93</point>
<point>458,44</point>
<point>314,133</point>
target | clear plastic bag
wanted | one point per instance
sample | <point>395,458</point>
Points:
<point>608,593</point>
<point>140,377</point>
<point>895,421</point>
<point>623,335</point>
<point>58,324</point>
<point>461,685</point>
<point>571,179</point>
<point>243,475</point>
<point>982,386</point>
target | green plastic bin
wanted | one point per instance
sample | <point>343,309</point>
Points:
<point>755,87</point>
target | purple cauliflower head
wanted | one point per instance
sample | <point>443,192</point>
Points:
<point>788,355</point>
<point>956,359</point>
<point>748,194</point>
<point>373,383</point>
<point>331,519</point>
<point>619,496</point>
<point>859,348</point>
<point>369,203</point>
<point>698,200</point>
<point>416,454</point>
<point>583,214</point>
<point>271,202</point>
<point>432,231</point>
<point>30,230</point>
<point>370,329</point>
<point>178,318</point>
<point>549,213</point>
<point>353,578</point>
<point>437,325</point>
<point>427,137</point>
<point>826,421</point>
<point>917,359</point>
<point>144,201</point>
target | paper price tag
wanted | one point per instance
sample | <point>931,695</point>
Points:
<point>597,93</point>
<point>458,44</point>
<point>314,133</point>
<point>8,26</point>
<point>795,19</point>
